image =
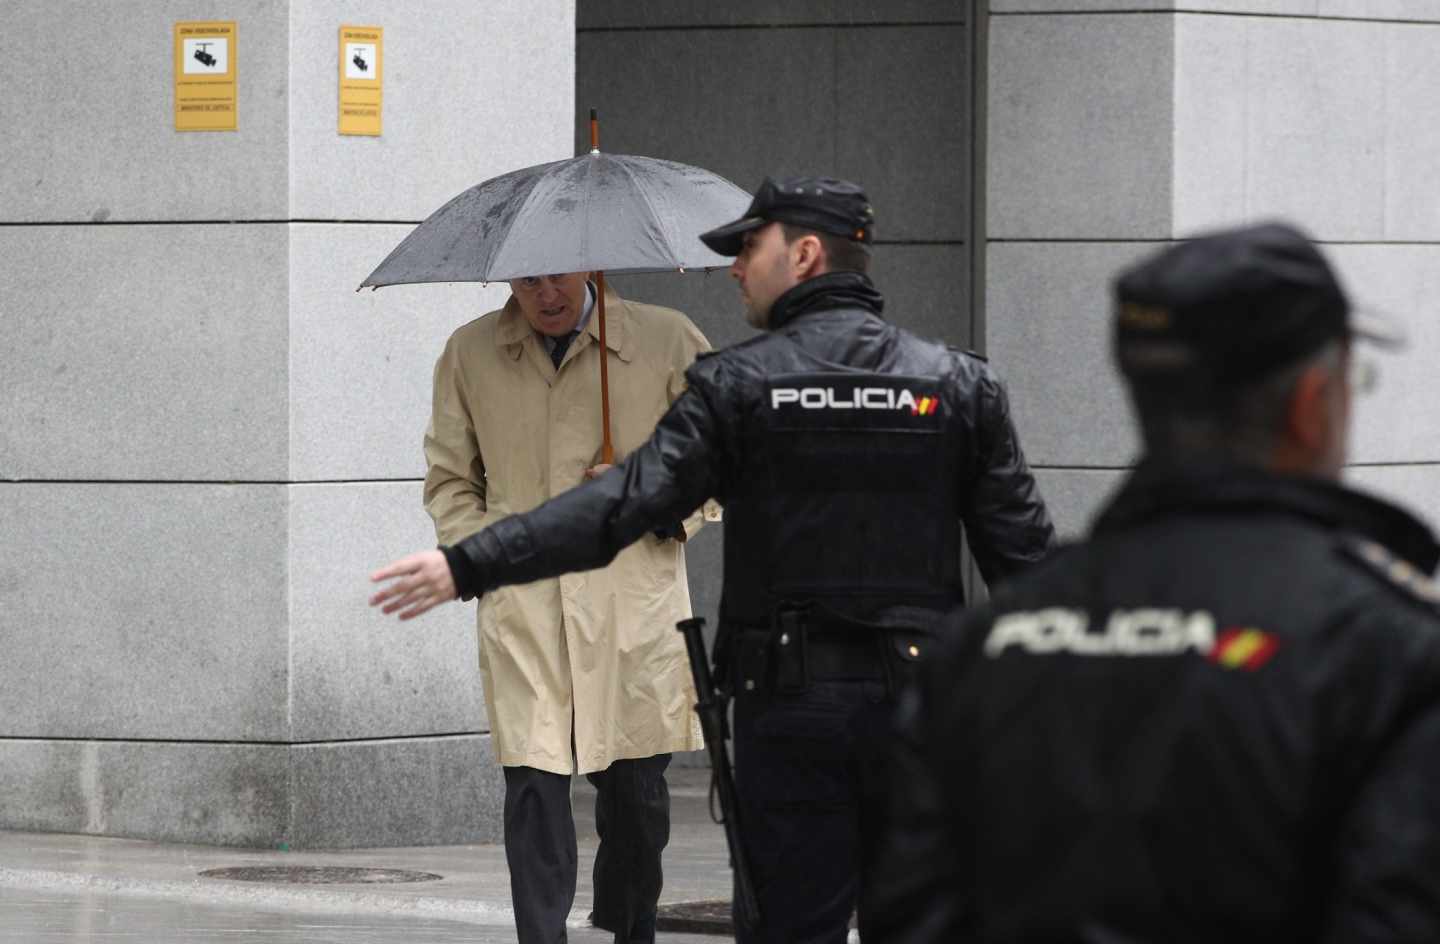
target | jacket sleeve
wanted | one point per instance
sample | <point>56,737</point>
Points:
<point>584,528</point>
<point>1388,887</point>
<point>1006,523</point>
<point>455,468</point>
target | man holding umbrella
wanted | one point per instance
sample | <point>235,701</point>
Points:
<point>847,453</point>
<point>584,672</point>
<point>587,662</point>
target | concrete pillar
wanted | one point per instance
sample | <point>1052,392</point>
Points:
<point>1117,126</point>
<point>207,439</point>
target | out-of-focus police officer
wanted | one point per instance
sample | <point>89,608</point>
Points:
<point>1219,718</point>
<point>847,453</point>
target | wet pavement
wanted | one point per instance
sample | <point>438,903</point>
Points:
<point>35,917</point>
<point>63,888</point>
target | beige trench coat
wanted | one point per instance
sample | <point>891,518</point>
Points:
<point>507,432</point>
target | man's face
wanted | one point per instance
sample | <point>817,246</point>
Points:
<point>551,303</point>
<point>764,270</point>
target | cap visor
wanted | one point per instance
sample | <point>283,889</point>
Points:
<point>1379,328</point>
<point>729,239</point>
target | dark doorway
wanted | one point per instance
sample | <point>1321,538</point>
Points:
<point>882,93</point>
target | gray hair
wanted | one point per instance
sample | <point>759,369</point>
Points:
<point>1242,423</point>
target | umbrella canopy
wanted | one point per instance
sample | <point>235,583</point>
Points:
<point>595,212</point>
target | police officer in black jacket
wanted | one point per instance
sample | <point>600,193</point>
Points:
<point>1219,718</point>
<point>847,454</point>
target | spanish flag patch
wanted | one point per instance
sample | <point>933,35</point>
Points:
<point>1244,648</point>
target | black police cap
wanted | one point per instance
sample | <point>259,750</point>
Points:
<point>1233,305</point>
<point>823,204</point>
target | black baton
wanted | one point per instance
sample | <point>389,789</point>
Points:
<point>711,709</point>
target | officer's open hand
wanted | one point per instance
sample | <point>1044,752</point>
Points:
<point>417,584</point>
<point>597,470</point>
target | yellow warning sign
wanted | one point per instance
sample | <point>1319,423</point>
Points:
<point>362,66</point>
<point>205,84</point>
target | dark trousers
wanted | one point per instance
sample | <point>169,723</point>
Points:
<point>632,816</point>
<point>811,789</point>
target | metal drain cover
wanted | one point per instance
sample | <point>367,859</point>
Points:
<point>700,917</point>
<point>319,875</point>
<point>696,917</point>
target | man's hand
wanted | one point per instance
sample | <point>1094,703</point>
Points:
<point>595,471</point>
<point>421,581</point>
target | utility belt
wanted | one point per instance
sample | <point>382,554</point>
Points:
<point>802,647</point>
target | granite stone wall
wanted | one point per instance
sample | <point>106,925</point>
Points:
<point>1117,126</point>
<point>208,439</point>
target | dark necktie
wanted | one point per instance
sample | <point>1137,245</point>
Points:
<point>562,344</point>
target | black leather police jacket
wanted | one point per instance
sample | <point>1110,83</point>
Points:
<point>698,451</point>
<point>1217,720</point>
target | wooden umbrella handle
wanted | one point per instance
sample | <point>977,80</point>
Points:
<point>607,449</point>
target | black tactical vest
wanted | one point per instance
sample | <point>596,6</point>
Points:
<point>851,507</point>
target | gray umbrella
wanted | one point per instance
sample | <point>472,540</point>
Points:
<point>596,212</point>
<point>593,213</point>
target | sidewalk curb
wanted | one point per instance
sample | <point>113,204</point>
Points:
<point>273,897</point>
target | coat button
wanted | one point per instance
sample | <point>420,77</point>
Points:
<point>784,639</point>
<point>914,652</point>
<point>749,685</point>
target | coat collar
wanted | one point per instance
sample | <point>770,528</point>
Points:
<point>1155,489</point>
<point>513,332</point>
<point>831,290</point>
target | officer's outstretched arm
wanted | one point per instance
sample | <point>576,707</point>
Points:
<point>1006,522</point>
<point>664,480</point>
